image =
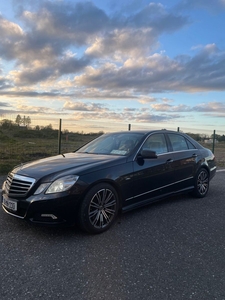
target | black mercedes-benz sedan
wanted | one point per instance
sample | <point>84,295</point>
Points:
<point>115,172</point>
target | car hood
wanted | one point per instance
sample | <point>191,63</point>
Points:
<point>69,163</point>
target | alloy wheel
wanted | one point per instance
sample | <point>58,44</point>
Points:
<point>203,182</point>
<point>102,208</point>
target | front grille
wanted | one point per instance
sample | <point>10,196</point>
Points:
<point>17,185</point>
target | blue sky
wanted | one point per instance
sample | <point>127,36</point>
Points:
<point>101,65</point>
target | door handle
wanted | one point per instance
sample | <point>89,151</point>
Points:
<point>169,161</point>
<point>194,155</point>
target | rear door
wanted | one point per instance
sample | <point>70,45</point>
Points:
<point>185,157</point>
<point>152,177</point>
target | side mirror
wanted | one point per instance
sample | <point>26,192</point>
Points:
<point>145,153</point>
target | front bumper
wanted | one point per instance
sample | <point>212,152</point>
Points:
<point>52,210</point>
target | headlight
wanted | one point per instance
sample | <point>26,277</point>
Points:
<point>60,185</point>
<point>41,188</point>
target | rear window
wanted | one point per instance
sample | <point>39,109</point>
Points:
<point>179,142</point>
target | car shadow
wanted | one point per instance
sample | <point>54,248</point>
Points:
<point>23,227</point>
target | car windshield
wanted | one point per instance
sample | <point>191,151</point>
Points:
<point>113,144</point>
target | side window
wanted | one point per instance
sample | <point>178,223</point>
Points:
<point>178,142</point>
<point>190,145</point>
<point>157,143</point>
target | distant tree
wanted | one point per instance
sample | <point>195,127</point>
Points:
<point>25,121</point>
<point>28,121</point>
<point>48,127</point>
<point>222,138</point>
<point>217,137</point>
<point>18,119</point>
<point>195,136</point>
<point>6,123</point>
<point>37,127</point>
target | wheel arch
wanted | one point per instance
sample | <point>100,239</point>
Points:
<point>204,166</point>
<point>201,185</point>
<point>110,182</point>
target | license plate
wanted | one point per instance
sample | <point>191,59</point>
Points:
<point>12,205</point>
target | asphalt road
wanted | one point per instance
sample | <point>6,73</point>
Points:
<point>174,249</point>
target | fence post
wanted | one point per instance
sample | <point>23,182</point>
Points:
<point>129,127</point>
<point>214,138</point>
<point>59,136</point>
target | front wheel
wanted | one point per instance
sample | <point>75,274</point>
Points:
<point>201,183</point>
<point>99,208</point>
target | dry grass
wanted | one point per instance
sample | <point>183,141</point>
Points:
<point>15,150</point>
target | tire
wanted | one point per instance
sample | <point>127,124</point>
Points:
<point>99,209</point>
<point>201,183</point>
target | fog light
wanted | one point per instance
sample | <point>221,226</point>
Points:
<point>49,216</point>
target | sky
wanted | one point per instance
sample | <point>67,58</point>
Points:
<point>101,65</point>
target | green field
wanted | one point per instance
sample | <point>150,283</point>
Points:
<point>219,152</point>
<point>21,145</point>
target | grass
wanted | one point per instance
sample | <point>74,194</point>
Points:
<point>220,154</point>
<point>17,148</point>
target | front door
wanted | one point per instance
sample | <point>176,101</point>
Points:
<point>152,177</point>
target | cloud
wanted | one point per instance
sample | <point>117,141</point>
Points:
<point>138,117</point>
<point>159,73</point>
<point>11,35</point>
<point>89,111</point>
<point>5,84</point>
<point>33,94</point>
<point>9,29</point>
<point>36,110</point>
<point>146,99</point>
<point>210,107</point>
<point>157,17</point>
<point>128,109</point>
<point>50,29</point>
<point>171,108</point>
<point>56,69</point>
<point>153,118</point>
<point>65,22</point>
<point>4,104</point>
<point>215,6</point>
<point>118,44</point>
<point>80,106</point>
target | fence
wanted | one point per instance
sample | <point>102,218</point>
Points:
<point>19,144</point>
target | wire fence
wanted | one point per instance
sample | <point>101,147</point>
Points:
<point>21,142</point>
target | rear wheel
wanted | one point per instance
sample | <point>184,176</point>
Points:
<point>201,183</point>
<point>99,208</point>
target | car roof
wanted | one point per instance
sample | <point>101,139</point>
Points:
<point>147,131</point>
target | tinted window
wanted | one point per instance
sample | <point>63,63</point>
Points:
<point>157,143</point>
<point>113,144</point>
<point>190,145</point>
<point>178,142</point>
